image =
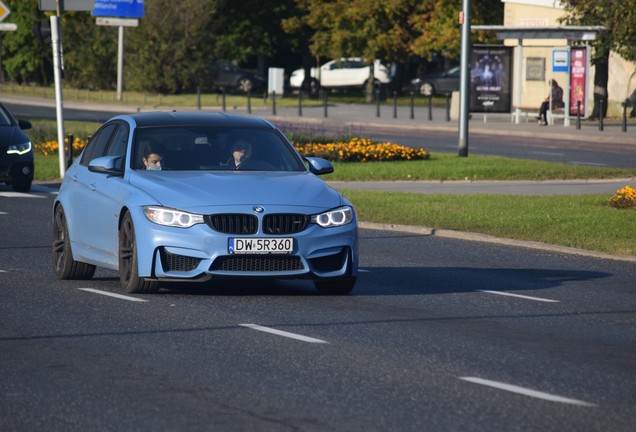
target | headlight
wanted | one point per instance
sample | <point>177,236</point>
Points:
<point>333,218</point>
<point>171,217</point>
<point>19,149</point>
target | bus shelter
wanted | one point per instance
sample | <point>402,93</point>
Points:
<point>569,33</point>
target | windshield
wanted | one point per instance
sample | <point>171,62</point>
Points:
<point>205,148</point>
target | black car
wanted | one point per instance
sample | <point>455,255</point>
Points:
<point>441,83</point>
<point>16,152</point>
<point>230,77</point>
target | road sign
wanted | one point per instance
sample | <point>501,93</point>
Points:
<point>560,60</point>
<point>8,27</point>
<point>4,11</point>
<point>119,8</point>
<point>120,22</point>
<point>67,5</point>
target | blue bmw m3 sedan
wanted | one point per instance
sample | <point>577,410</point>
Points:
<point>194,196</point>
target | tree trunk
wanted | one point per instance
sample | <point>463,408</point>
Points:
<point>601,76</point>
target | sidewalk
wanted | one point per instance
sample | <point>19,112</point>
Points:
<point>362,118</point>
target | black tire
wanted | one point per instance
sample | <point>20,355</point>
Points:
<point>245,84</point>
<point>427,89</point>
<point>128,265</point>
<point>63,263</point>
<point>336,287</point>
<point>22,185</point>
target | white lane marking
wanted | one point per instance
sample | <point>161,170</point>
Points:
<point>520,296</point>
<point>3,271</point>
<point>19,195</point>
<point>364,271</point>
<point>526,392</point>
<point>4,213</point>
<point>119,296</point>
<point>283,333</point>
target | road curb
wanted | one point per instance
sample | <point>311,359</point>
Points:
<point>425,231</point>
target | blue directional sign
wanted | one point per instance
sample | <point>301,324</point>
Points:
<point>119,8</point>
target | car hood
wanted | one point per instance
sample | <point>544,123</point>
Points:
<point>188,190</point>
<point>11,135</point>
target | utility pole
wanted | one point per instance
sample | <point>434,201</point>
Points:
<point>464,96</point>
<point>58,66</point>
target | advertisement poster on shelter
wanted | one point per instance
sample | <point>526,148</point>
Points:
<point>578,80</point>
<point>491,79</point>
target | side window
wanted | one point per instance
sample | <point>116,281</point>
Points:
<point>118,144</point>
<point>97,146</point>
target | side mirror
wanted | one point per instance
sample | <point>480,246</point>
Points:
<point>24,124</point>
<point>106,165</point>
<point>319,166</point>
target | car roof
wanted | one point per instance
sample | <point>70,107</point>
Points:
<point>176,118</point>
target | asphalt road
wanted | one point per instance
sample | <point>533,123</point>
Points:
<point>440,334</point>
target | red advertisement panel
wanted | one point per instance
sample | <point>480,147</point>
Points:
<point>578,79</point>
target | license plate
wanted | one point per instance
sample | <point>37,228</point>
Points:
<point>260,245</point>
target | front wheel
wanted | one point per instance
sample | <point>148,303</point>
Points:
<point>128,266</point>
<point>336,287</point>
<point>63,263</point>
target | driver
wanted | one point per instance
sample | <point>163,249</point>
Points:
<point>241,153</point>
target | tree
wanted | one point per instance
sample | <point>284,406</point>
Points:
<point>170,50</point>
<point>392,31</point>
<point>90,51</point>
<point>249,29</point>
<point>24,56</point>
<point>619,19</point>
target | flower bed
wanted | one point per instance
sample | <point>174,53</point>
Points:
<point>624,198</point>
<point>50,147</point>
<point>355,150</point>
<point>361,150</point>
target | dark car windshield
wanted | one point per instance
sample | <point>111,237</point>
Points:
<point>213,148</point>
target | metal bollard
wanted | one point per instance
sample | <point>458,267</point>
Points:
<point>69,158</point>
<point>394,104</point>
<point>412,105</point>
<point>199,98</point>
<point>448,100</point>
<point>249,102</point>
<point>324,102</point>
<point>300,103</point>
<point>600,115</point>
<point>223,98</point>
<point>578,115</point>
<point>377,103</point>
<point>274,102</point>
<point>430,108</point>
<point>624,127</point>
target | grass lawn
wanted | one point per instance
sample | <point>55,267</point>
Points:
<point>585,222</point>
